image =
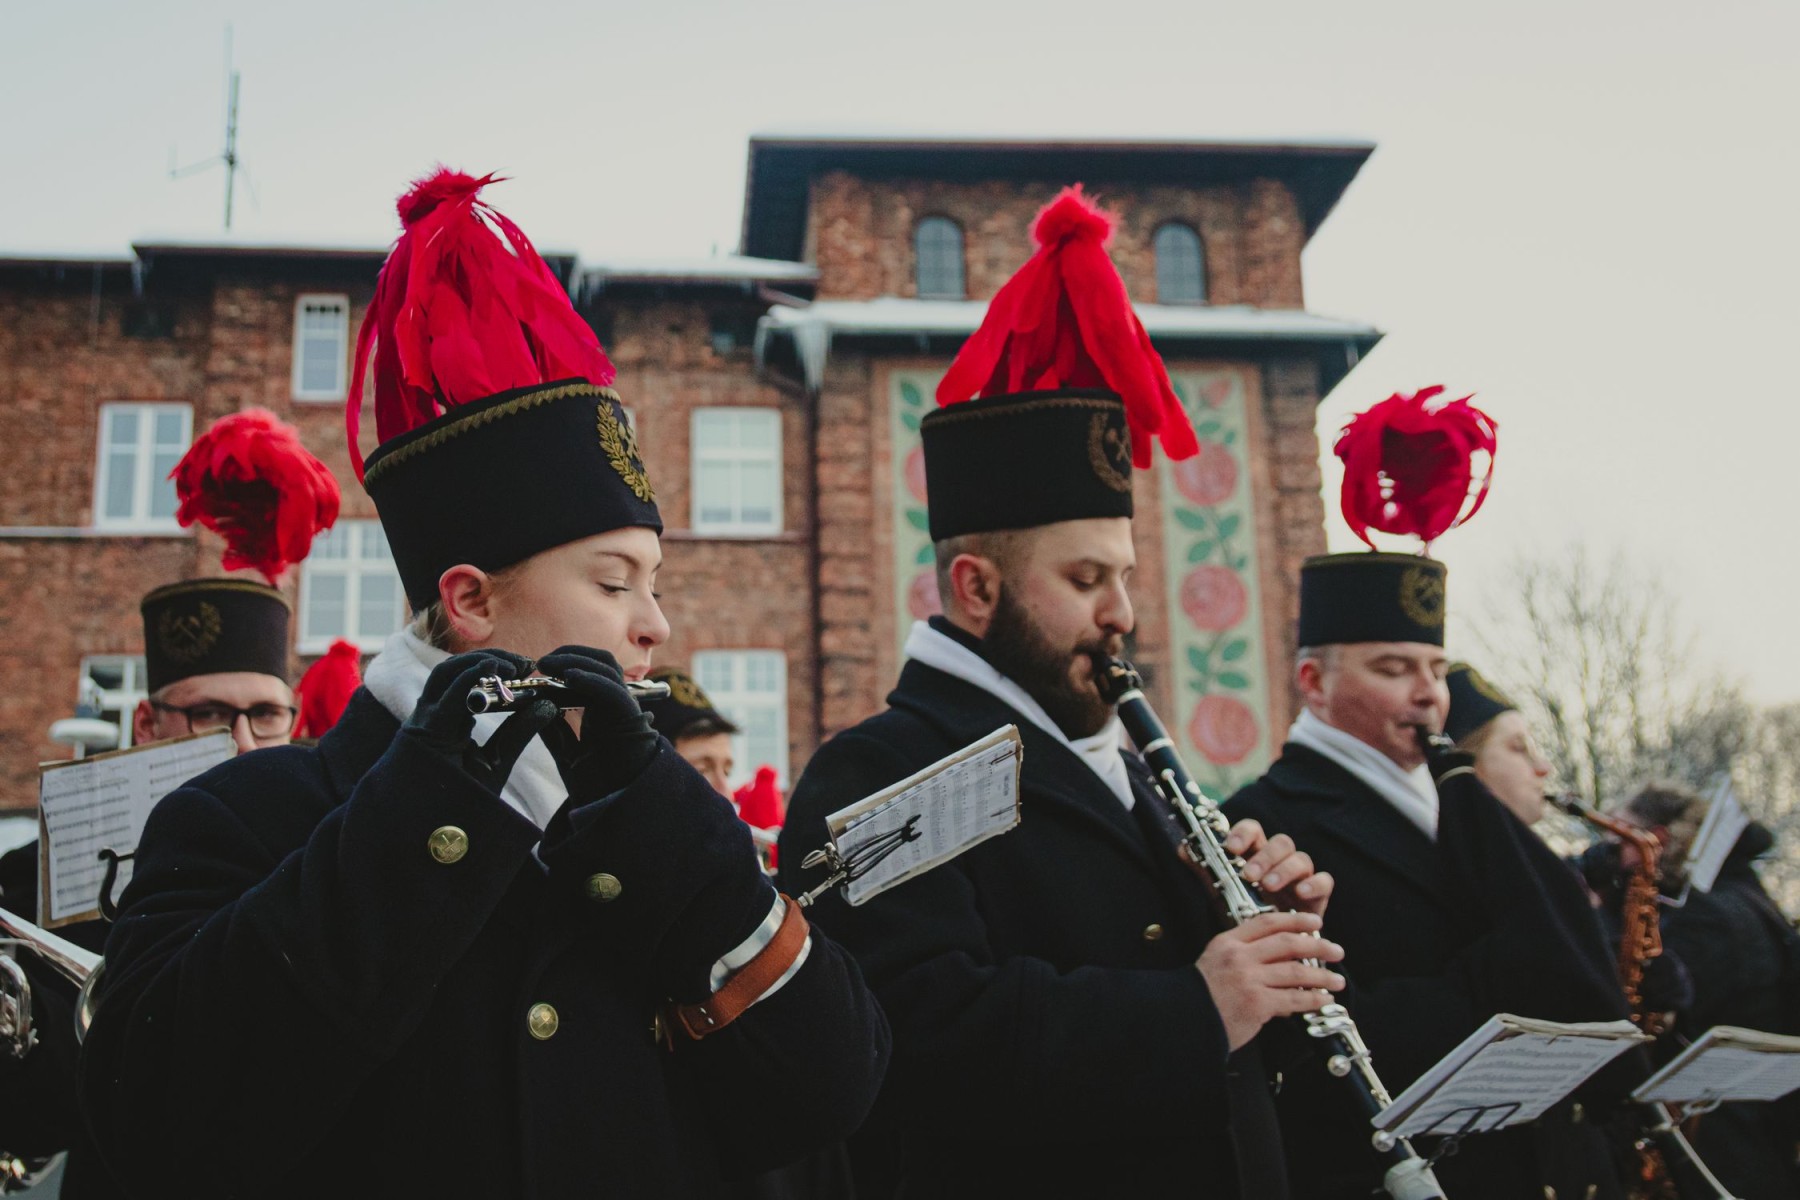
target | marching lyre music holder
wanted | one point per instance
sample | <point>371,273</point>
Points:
<point>867,857</point>
<point>1473,1124</point>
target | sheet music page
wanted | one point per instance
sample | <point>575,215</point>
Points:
<point>1725,820</point>
<point>957,802</point>
<point>1512,1068</point>
<point>89,804</point>
<point>1727,1063</point>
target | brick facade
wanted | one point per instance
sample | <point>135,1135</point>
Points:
<point>819,591</point>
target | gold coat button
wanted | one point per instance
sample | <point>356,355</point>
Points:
<point>448,844</point>
<point>1153,933</point>
<point>604,887</point>
<point>542,1021</point>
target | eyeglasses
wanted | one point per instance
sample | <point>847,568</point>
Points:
<point>266,720</point>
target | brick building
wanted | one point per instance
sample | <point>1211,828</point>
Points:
<point>776,397</point>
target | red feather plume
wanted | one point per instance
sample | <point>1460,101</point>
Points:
<point>325,690</point>
<point>250,480</point>
<point>1409,465</point>
<point>1064,320</point>
<point>464,308</point>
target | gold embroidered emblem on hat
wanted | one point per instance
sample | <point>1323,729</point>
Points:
<point>619,442</point>
<point>184,638</point>
<point>1109,453</point>
<point>1479,682</point>
<point>1422,596</point>
<point>685,692</point>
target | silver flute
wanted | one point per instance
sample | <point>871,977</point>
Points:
<point>1408,1176</point>
<point>493,694</point>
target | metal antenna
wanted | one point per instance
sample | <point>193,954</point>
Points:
<point>230,157</point>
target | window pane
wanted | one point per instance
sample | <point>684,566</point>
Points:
<point>333,543</point>
<point>1180,266</point>
<point>379,608</point>
<point>713,490</point>
<point>713,673</point>
<point>122,427</point>
<point>756,430</point>
<point>319,361</point>
<point>121,483</point>
<point>759,493</point>
<point>375,543</point>
<point>170,429</point>
<point>714,430</point>
<point>325,609</point>
<point>759,673</point>
<point>162,488</point>
<point>938,250</point>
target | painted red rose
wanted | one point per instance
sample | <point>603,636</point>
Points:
<point>1223,729</point>
<point>1210,477</point>
<point>922,595</point>
<point>1213,597</point>
<point>915,473</point>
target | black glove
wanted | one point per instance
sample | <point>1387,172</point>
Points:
<point>443,723</point>
<point>617,741</point>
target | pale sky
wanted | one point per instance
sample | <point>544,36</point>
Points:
<point>1582,212</point>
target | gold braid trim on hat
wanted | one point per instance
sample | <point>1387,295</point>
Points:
<point>972,412</point>
<point>221,584</point>
<point>486,416</point>
<point>1102,442</point>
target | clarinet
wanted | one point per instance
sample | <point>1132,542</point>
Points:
<point>1408,1177</point>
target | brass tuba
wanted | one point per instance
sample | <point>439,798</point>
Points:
<point>17,1037</point>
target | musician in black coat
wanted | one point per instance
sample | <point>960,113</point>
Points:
<point>234,679</point>
<point>525,955</point>
<point>1449,909</point>
<point>1070,1017</point>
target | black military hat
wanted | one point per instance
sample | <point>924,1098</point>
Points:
<point>1056,397</point>
<point>214,626</point>
<point>1473,701</point>
<point>500,434</point>
<point>1033,458</point>
<point>684,708</point>
<point>494,482</point>
<point>1371,597</point>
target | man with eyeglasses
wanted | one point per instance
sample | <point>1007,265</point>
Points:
<point>215,657</point>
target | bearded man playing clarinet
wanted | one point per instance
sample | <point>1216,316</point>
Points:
<point>1448,908</point>
<point>1059,993</point>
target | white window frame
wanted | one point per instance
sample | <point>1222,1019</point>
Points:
<point>731,700</point>
<point>702,459</point>
<point>336,392</point>
<point>352,568</point>
<point>144,475</point>
<point>121,700</point>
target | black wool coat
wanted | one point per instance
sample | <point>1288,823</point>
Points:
<point>301,998</point>
<point>1744,959</point>
<point>1051,1034</point>
<point>1437,938</point>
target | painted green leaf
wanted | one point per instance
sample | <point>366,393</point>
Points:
<point>1190,519</point>
<point>1197,660</point>
<point>917,518</point>
<point>910,420</point>
<point>1240,562</point>
<point>927,553</point>
<point>1181,392</point>
<point>1232,679</point>
<point>1208,428</point>
<point>1229,525</point>
<point>1201,551</point>
<point>1199,685</point>
<point>1235,650</point>
<point>1230,436</point>
<point>910,394</point>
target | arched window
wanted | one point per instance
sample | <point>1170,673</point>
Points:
<point>938,250</point>
<point>1180,266</point>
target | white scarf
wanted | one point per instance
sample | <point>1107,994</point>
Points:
<point>1099,751</point>
<point>1412,792</point>
<point>397,675</point>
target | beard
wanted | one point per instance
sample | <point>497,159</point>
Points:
<point>1018,649</point>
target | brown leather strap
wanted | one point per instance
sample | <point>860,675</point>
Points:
<point>747,986</point>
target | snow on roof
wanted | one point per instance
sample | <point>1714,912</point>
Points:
<point>841,137</point>
<point>814,326</point>
<point>715,267</point>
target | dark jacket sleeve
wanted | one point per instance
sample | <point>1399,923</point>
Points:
<point>251,989</point>
<point>1007,1049</point>
<point>697,891</point>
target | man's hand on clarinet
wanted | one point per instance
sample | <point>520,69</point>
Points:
<point>1284,873</point>
<point>1257,971</point>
